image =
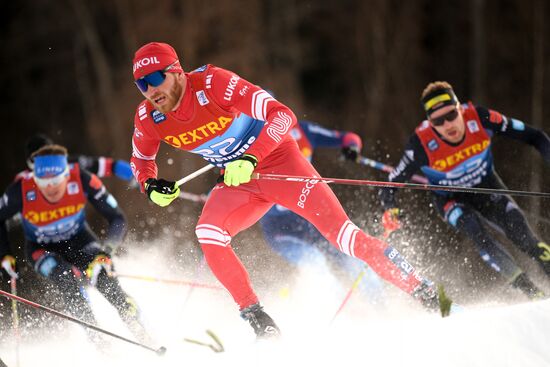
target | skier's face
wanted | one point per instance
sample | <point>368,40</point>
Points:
<point>53,192</point>
<point>453,127</point>
<point>167,96</point>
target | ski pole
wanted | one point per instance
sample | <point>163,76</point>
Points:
<point>191,176</point>
<point>537,217</point>
<point>421,179</point>
<point>354,286</point>
<point>160,351</point>
<point>169,281</point>
<point>385,168</point>
<point>348,295</point>
<point>198,269</point>
<point>15,316</point>
<point>397,185</point>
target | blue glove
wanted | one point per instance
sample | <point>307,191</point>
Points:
<point>122,170</point>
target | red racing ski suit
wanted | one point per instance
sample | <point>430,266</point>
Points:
<point>222,116</point>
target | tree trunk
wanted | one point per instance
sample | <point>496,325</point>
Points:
<point>477,57</point>
<point>103,78</point>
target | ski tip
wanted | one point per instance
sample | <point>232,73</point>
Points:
<point>161,351</point>
<point>218,348</point>
<point>445,302</point>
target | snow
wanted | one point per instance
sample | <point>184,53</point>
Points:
<point>394,332</point>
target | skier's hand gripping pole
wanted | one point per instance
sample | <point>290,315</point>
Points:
<point>162,192</point>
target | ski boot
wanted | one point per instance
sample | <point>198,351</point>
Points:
<point>261,322</point>
<point>524,284</point>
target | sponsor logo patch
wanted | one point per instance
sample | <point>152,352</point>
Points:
<point>145,61</point>
<point>201,97</point>
<point>396,258</point>
<point>432,145</point>
<point>461,155</point>
<point>31,195</point>
<point>473,127</point>
<point>231,87</point>
<point>279,126</point>
<point>306,190</point>
<point>158,117</point>
<point>207,130</point>
<point>44,216</point>
<point>72,188</point>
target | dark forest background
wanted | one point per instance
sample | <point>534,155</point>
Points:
<point>349,64</point>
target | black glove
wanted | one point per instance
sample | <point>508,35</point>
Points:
<point>351,153</point>
<point>160,191</point>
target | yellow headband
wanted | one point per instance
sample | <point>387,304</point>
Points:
<point>435,100</point>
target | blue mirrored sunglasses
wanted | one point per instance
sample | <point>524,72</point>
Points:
<point>153,79</point>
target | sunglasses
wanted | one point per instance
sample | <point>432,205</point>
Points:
<point>51,181</point>
<point>449,116</point>
<point>153,79</point>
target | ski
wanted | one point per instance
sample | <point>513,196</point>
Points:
<point>445,302</point>
<point>217,347</point>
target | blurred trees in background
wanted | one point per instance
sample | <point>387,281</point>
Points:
<point>360,65</point>
<point>349,64</point>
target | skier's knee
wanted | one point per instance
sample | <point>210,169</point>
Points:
<point>53,267</point>
<point>208,234</point>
